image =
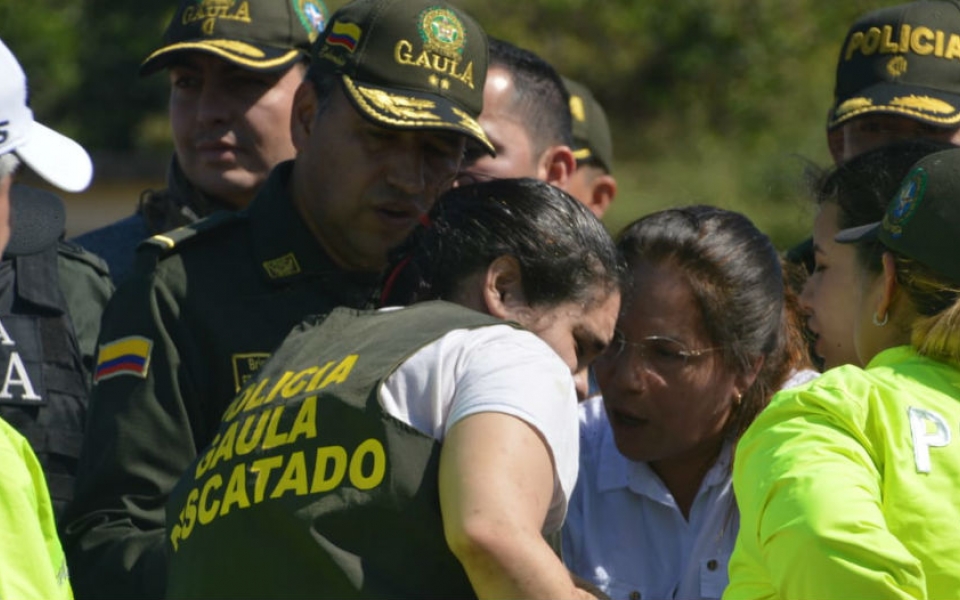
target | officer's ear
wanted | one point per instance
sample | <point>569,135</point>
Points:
<point>304,114</point>
<point>555,166</point>
<point>603,189</point>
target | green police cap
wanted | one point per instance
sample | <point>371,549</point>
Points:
<point>260,35</point>
<point>409,64</point>
<point>591,132</point>
<point>922,221</point>
<point>902,60</point>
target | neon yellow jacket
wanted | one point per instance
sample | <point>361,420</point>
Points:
<point>849,487</point>
<point>32,564</point>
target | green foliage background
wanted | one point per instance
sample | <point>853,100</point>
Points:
<point>711,101</point>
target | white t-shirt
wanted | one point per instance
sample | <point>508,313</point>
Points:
<point>492,369</point>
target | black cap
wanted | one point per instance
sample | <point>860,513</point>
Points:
<point>260,35</point>
<point>591,131</point>
<point>922,221</point>
<point>902,60</point>
<point>409,64</point>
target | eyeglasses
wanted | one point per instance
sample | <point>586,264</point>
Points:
<point>661,355</point>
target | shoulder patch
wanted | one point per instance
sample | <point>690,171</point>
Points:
<point>177,238</point>
<point>125,356</point>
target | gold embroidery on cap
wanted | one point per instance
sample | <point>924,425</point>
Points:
<point>854,104</point>
<point>924,103</point>
<point>576,109</point>
<point>237,47</point>
<point>281,267</point>
<point>210,11</point>
<point>402,107</point>
<point>897,66</point>
<point>469,123</point>
<point>442,33</point>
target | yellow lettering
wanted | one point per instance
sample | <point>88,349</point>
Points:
<point>953,47</point>
<point>246,443</point>
<point>243,13</point>
<point>274,439</point>
<point>208,25</point>
<point>255,398</point>
<point>296,385</point>
<point>225,447</point>
<point>856,41</point>
<point>467,76</point>
<point>403,52</point>
<point>870,41</point>
<point>262,467</point>
<point>423,60</point>
<point>939,44</point>
<point>236,492</point>
<point>920,41</point>
<point>279,385</point>
<point>322,483</point>
<point>886,45</point>
<point>208,512</point>
<point>294,477</point>
<point>374,449</point>
<point>315,381</point>
<point>188,15</point>
<point>237,405</point>
<point>904,38</point>
<point>189,513</point>
<point>340,374</point>
<point>204,462</point>
<point>305,425</point>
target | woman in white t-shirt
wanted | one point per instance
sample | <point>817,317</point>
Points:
<point>423,451</point>
<point>703,340</point>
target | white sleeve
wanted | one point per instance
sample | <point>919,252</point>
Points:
<point>492,369</point>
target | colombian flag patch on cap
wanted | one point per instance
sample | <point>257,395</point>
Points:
<point>126,356</point>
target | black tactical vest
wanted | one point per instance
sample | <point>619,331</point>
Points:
<point>310,489</point>
<point>43,391</point>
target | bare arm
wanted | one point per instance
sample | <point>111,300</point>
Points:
<point>496,486</point>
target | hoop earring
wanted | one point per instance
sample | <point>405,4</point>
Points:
<point>878,322</point>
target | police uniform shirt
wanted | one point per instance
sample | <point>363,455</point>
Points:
<point>330,456</point>
<point>200,313</point>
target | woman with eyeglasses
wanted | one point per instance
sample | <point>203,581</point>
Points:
<point>702,341</point>
<point>848,486</point>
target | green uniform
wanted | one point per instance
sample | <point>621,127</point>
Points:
<point>200,313</point>
<point>310,488</point>
<point>32,564</point>
<point>848,486</point>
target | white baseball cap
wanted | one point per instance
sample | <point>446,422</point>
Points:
<point>51,155</point>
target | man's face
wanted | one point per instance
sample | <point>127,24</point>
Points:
<point>362,188</point>
<point>230,125</point>
<point>868,132</point>
<point>505,128</point>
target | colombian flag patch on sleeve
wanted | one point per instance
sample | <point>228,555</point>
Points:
<point>126,356</point>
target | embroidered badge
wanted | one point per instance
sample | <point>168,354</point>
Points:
<point>897,66</point>
<point>905,203</point>
<point>442,32</point>
<point>312,14</point>
<point>281,267</point>
<point>245,366</point>
<point>345,35</point>
<point>126,356</point>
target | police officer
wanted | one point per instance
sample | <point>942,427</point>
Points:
<point>233,70</point>
<point>380,125</point>
<point>43,391</point>
<point>592,182</point>
<point>415,452</point>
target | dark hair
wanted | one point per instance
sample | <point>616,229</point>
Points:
<point>324,82</point>
<point>541,99</point>
<point>734,272</point>
<point>863,187</point>
<point>564,252</point>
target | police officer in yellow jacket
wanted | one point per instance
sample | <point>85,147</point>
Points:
<point>380,125</point>
<point>847,487</point>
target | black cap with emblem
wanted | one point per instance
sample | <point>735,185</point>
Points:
<point>591,131</point>
<point>922,221</point>
<point>260,35</point>
<point>409,64</point>
<point>902,60</point>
